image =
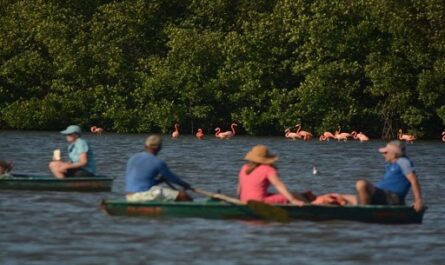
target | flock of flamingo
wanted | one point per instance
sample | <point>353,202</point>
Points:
<point>298,134</point>
<point>342,136</point>
<point>218,133</point>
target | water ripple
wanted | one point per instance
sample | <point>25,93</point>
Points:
<point>69,228</point>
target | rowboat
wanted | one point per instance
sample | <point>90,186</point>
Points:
<point>212,209</point>
<point>50,183</point>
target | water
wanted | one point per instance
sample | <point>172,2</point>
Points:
<point>69,228</point>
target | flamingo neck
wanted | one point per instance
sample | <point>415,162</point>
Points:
<point>298,126</point>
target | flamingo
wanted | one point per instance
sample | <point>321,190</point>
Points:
<point>443,136</point>
<point>226,134</point>
<point>96,130</point>
<point>306,135</point>
<point>341,136</point>
<point>199,134</point>
<point>292,135</point>
<point>325,136</point>
<point>406,137</point>
<point>175,133</point>
<point>359,136</point>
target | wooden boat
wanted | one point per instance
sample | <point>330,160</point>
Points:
<point>221,210</point>
<point>50,183</point>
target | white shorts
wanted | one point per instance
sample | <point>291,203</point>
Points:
<point>155,193</point>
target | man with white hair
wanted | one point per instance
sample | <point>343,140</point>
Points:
<point>399,177</point>
<point>145,172</point>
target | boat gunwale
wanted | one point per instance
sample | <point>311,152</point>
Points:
<point>32,177</point>
<point>221,203</point>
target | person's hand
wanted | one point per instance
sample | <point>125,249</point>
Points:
<point>418,205</point>
<point>297,202</point>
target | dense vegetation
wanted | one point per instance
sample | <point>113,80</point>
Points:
<point>140,66</point>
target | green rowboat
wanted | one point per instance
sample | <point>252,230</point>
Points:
<point>50,183</point>
<point>220,210</point>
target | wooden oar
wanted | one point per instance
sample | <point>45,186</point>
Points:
<point>264,210</point>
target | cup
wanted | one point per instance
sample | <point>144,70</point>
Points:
<point>57,155</point>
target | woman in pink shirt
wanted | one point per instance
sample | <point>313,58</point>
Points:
<point>256,176</point>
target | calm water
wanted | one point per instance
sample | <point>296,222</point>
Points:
<point>69,228</point>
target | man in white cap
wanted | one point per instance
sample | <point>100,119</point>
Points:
<point>399,177</point>
<point>145,172</point>
<point>81,162</point>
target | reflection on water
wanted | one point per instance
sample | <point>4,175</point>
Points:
<point>50,227</point>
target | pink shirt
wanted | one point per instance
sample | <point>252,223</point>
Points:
<point>254,186</point>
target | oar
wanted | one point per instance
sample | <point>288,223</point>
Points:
<point>266,211</point>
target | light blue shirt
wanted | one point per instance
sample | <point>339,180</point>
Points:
<point>78,147</point>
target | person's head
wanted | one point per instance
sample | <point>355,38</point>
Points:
<point>72,132</point>
<point>259,154</point>
<point>153,144</point>
<point>5,167</point>
<point>393,150</point>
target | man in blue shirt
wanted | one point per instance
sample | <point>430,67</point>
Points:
<point>398,179</point>
<point>145,172</point>
<point>81,162</point>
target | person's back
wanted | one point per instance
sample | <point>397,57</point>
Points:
<point>145,172</point>
<point>142,170</point>
<point>254,184</point>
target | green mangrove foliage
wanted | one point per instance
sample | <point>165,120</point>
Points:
<point>140,66</point>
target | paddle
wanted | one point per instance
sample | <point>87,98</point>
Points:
<point>266,211</point>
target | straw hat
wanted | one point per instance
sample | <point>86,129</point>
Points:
<point>260,154</point>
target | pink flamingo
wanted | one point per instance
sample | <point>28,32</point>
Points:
<point>226,134</point>
<point>200,134</point>
<point>175,134</point>
<point>96,130</point>
<point>292,135</point>
<point>341,136</point>
<point>443,136</point>
<point>406,137</point>
<point>306,135</point>
<point>360,136</point>
<point>325,136</point>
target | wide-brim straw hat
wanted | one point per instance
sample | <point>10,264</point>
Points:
<point>260,154</point>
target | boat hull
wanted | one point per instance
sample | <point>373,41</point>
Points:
<point>221,210</point>
<point>49,183</point>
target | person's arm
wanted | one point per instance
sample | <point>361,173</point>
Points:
<point>410,173</point>
<point>418,202</point>
<point>171,177</point>
<point>282,189</point>
<point>83,161</point>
